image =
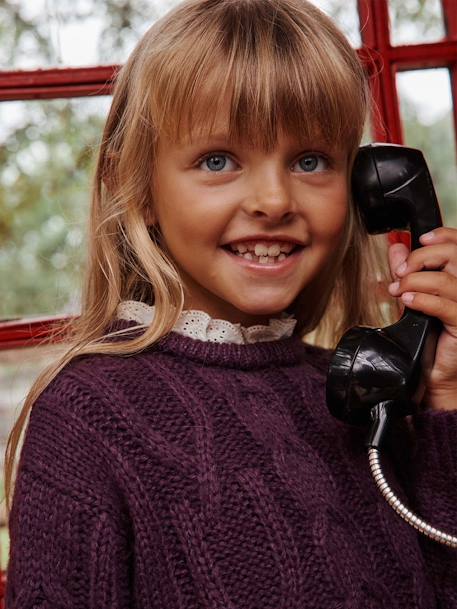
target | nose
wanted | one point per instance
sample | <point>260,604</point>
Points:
<point>271,196</point>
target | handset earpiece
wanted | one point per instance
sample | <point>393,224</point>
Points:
<point>393,189</point>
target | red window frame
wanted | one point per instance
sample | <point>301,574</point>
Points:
<point>382,60</point>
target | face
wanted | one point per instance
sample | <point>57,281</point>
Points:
<point>210,194</point>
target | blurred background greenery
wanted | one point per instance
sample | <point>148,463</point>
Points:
<point>47,151</point>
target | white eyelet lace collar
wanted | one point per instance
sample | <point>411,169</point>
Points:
<point>199,325</point>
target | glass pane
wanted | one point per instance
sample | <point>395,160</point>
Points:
<point>18,370</point>
<point>48,33</point>
<point>416,21</point>
<point>345,15</point>
<point>426,107</point>
<point>47,151</point>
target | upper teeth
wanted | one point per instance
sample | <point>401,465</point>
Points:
<point>261,249</point>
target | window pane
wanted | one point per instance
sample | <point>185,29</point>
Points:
<point>52,33</point>
<point>48,33</point>
<point>346,16</point>
<point>47,153</point>
<point>416,21</point>
<point>18,370</point>
<point>426,107</point>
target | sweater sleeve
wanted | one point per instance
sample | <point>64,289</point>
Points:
<point>69,537</point>
<point>425,453</point>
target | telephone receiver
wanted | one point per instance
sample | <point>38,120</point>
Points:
<point>393,189</point>
<point>377,374</point>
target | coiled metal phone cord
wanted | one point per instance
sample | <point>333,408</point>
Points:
<point>400,508</point>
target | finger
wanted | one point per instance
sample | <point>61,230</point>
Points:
<point>398,253</point>
<point>439,235</point>
<point>441,256</point>
<point>435,283</point>
<point>436,306</point>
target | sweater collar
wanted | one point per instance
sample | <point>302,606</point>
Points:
<point>279,352</point>
<point>199,325</point>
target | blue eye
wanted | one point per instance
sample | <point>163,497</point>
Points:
<point>310,162</point>
<point>215,160</point>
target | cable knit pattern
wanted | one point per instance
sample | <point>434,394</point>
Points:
<point>204,475</point>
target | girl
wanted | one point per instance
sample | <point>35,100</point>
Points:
<point>181,455</point>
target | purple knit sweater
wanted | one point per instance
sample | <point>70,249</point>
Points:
<point>201,475</point>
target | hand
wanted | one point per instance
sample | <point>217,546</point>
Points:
<point>434,292</point>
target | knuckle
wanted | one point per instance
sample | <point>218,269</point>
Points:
<point>441,306</point>
<point>407,283</point>
<point>437,283</point>
<point>449,286</point>
<point>453,253</point>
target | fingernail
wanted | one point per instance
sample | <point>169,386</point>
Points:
<point>407,297</point>
<point>393,287</point>
<point>427,236</point>
<point>402,268</point>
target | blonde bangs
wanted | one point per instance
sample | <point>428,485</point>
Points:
<point>276,71</point>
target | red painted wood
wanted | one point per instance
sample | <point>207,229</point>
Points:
<point>54,92</point>
<point>450,17</point>
<point>420,56</point>
<point>366,24</point>
<point>28,332</point>
<point>381,20</point>
<point>375,32</point>
<point>450,20</point>
<point>2,589</point>
<point>57,76</point>
<point>57,82</point>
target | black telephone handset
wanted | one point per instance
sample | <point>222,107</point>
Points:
<point>377,374</point>
<point>393,190</point>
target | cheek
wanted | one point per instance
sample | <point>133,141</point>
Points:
<point>187,213</point>
<point>329,223</point>
<point>172,212</point>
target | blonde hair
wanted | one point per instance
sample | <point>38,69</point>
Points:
<point>283,64</point>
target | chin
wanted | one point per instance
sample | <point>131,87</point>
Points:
<point>264,310</point>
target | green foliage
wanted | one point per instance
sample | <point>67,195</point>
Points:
<point>26,32</point>
<point>45,175</point>
<point>414,21</point>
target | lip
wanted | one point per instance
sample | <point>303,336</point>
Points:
<point>269,238</point>
<point>270,270</point>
